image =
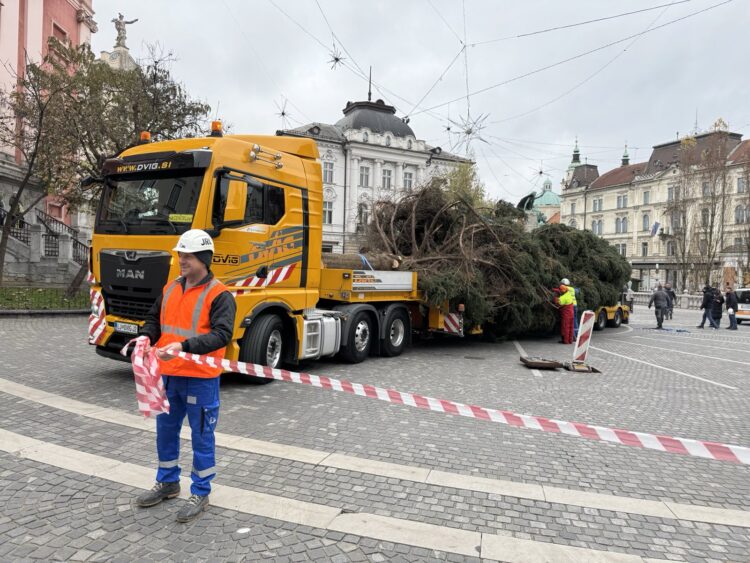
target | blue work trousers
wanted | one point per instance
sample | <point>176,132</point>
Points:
<point>199,399</point>
<point>575,321</point>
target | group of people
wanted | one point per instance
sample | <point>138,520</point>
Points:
<point>663,300</point>
<point>713,306</point>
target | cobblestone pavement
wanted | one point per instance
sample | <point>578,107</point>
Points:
<point>50,512</point>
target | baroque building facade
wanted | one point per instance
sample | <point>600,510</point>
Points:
<point>366,156</point>
<point>666,234</point>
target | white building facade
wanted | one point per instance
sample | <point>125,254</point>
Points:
<point>368,155</point>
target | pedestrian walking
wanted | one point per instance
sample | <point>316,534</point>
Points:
<point>630,296</point>
<point>661,302</point>
<point>731,303</point>
<point>195,313</point>
<point>708,293</point>
<point>717,308</point>
<point>672,298</point>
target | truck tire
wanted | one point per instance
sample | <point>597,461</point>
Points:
<point>617,321</point>
<point>263,344</point>
<point>359,339</point>
<point>601,320</point>
<point>397,327</point>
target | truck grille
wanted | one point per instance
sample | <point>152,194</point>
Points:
<point>132,280</point>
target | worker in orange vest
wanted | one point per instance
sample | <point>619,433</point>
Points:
<point>195,314</point>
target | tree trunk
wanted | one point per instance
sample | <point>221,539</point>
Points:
<point>76,283</point>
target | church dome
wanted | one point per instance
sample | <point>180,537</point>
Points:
<point>375,116</point>
<point>547,197</point>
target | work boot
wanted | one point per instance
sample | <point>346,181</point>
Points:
<point>160,492</point>
<point>196,504</point>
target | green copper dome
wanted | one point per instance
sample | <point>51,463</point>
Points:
<point>547,197</point>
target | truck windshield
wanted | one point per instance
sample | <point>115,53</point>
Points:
<point>149,203</point>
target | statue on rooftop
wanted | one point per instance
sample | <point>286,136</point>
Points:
<point>120,24</point>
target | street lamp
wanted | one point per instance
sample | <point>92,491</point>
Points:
<point>434,151</point>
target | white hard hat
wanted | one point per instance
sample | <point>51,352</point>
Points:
<point>194,240</point>
<point>564,281</point>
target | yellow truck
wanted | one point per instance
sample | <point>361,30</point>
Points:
<point>261,199</point>
<point>613,316</point>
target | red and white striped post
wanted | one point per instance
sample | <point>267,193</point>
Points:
<point>581,351</point>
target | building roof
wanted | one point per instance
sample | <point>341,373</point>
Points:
<point>375,116</point>
<point>316,130</point>
<point>667,154</point>
<point>547,197</point>
<point>555,219</point>
<point>741,153</point>
<point>618,176</point>
<point>583,175</point>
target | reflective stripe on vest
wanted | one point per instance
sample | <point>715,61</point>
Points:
<point>193,330</point>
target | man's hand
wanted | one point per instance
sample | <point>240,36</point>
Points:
<point>169,351</point>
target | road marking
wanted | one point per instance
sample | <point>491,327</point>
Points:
<point>713,347</point>
<point>383,528</point>
<point>691,354</point>
<point>521,351</point>
<point>392,470</point>
<point>666,369</point>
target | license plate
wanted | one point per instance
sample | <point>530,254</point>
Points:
<point>127,328</point>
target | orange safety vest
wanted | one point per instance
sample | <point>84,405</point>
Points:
<point>184,315</point>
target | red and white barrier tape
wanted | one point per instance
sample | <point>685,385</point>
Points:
<point>585,331</point>
<point>149,387</point>
<point>274,276</point>
<point>97,321</point>
<point>683,446</point>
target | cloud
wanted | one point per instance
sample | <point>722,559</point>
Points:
<point>246,57</point>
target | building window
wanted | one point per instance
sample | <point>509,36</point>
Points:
<point>646,198</point>
<point>364,176</point>
<point>705,215</point>
<point>363,216</point>
<point>740,215</point>
<point>646,223</point>
<point>675,220</point>
<point>622,201</point>
<point>572,208</point>
<point>328,248</point>
<point>365,137</point>
<point>670,193</point>
<point>738,244</point>
<point>408,180</point>
<point>706,189</point>
<point>327,212</point>
<point>741,185</point>
<point>598,204</point>
<point>671,248</point>
<point>597,227</point>
<point>618,225</point>
<point>644,249</point>
<point>703,246</point>
<point>621,249</point>
<point>328,172</point>
<point>572,223</point>
<point>387,179</point>
<point>59,33</point>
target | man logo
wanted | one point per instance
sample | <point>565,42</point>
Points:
<point>130,274</point>
<point>205,242</point>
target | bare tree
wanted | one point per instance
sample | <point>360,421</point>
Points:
<point>680,211</point>
<point>710,227</point>
<point>30,120</point>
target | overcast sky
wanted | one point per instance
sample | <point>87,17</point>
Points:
<point>245,58</point>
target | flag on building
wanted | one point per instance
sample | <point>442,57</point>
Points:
<point>655,228</point>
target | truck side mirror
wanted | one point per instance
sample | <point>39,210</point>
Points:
<point>236,201</point>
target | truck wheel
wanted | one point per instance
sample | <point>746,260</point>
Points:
<point>397,329</point>
<point>263,344</point>
<point>359,339</point>
<point>601,320</point>
<point>617,321</point>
